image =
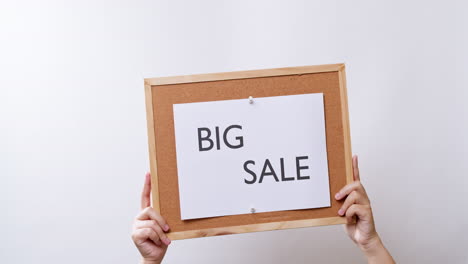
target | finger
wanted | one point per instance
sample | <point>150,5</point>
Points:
<point>141,235</point>
<point>356,175</point>
<point>155,226</point>
<point>354,186</point>
<point>146,193</point>
<point>150,214</point>
<point>359,210</point>
<point>350,200</point>
<point>353,198</point>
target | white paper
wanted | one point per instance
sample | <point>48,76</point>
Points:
<point>212,183</point>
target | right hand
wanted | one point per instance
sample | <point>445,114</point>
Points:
<point>149,229</point>
<point>360,221</point>
<point>357,210</point>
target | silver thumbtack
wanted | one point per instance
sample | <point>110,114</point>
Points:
<point>251,102</point>
<point>252,210</point>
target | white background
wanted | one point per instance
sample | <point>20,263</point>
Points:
<point>73,145</point>
<point>211,182</point>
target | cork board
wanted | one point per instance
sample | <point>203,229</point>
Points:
<point>162,93</point>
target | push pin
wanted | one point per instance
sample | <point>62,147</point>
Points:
<point>252,210</point>
<point>251,102</point>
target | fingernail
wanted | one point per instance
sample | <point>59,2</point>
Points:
<point>337,196</point>
<point>340,212</point>
<point>166,227</point>
<point>167,241</point>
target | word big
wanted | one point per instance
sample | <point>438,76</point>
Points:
<point>207,138</point>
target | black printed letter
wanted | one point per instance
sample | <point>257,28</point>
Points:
<point>240,139</point>
<point>254,176</point>
<point>264,173</point>
<point>299,168</point>
<point>207,138</point>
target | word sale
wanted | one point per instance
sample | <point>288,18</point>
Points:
<point>254,174</point>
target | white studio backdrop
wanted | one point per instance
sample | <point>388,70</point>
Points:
<point>73,142</point>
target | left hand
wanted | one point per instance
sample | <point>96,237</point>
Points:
<point>149,229</point>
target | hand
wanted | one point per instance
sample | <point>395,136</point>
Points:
<point>360,225</point>
<point>149,229</point>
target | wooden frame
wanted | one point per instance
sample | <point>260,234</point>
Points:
<point>200,78</point>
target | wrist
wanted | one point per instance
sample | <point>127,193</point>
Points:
<point>373,246</point>
<point>375,251</point>
<point>145,261</point>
